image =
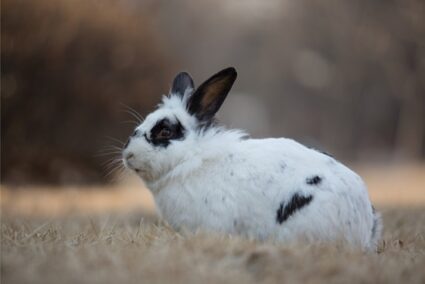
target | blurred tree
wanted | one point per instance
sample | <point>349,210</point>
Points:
<point>66,65</point>
<point>344,76</point>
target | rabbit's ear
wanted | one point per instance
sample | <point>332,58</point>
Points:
<point>181,83</point>
<point>208,98</point>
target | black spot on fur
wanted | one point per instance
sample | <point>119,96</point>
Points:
<point>315,180</point>
<point>375,222</point>
<point>374,227</point>
<point>326,153</point>
<point>323,152</point>
<point>174,130</point>
<point>245,137</point>
<point>296,203</point>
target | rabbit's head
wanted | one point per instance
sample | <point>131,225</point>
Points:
<point>167,136</point>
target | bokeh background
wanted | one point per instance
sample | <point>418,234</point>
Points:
<point>346,77</point>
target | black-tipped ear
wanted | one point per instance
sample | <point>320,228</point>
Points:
<point>209,97</point>
<point>181,83</point>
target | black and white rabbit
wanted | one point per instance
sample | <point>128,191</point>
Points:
<point>206,177</point>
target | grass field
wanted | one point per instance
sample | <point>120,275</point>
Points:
<point>114,236</point>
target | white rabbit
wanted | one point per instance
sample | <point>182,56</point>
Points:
<point>205,177</point>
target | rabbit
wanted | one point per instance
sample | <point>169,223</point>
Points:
<point>209,178</point>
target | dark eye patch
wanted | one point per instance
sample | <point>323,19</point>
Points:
<point>176,132</point>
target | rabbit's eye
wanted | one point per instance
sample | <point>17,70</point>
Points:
<point>165,133</point>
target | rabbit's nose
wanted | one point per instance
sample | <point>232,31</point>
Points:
<point>129,160</point>
<point>129,156</point>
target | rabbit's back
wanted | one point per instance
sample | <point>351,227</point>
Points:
<point>309,194</point>
<point>272,188</point>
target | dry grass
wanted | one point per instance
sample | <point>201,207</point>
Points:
<point>105,243</point>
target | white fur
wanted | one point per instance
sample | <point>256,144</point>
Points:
<point>216,180</point>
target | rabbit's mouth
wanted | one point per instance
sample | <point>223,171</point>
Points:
<point>143,172</point>
<point>129,161</point>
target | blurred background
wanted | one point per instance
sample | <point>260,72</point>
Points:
<point>346,77</point>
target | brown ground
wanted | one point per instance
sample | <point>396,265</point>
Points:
<point>113,236</point>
